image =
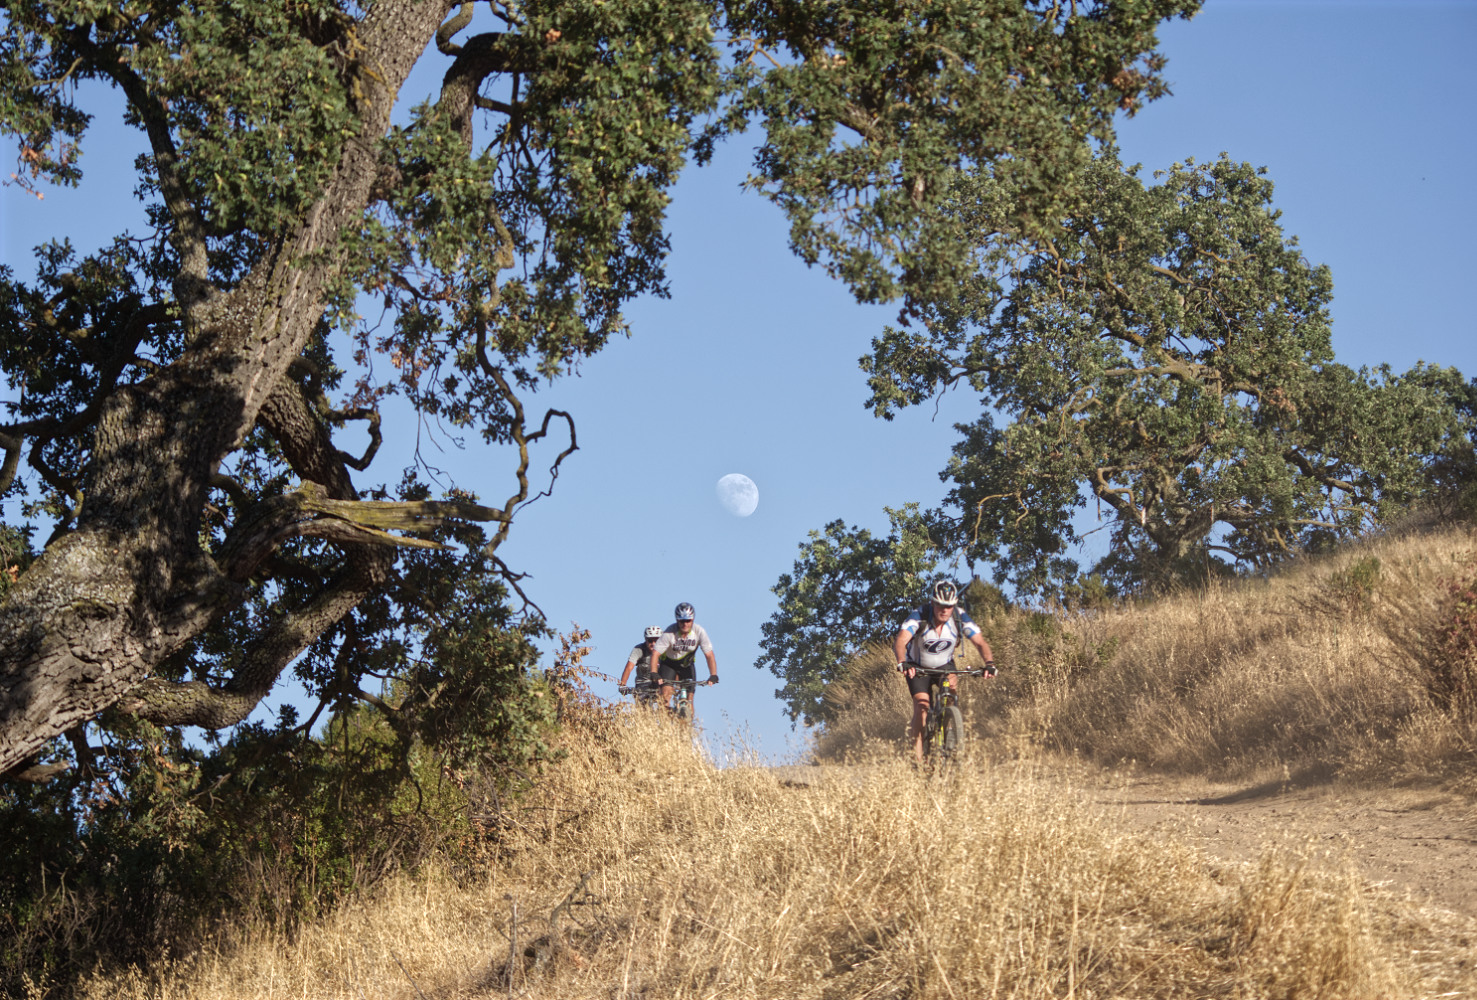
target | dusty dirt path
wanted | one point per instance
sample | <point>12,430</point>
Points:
<point>1415,850</point>
<point>1420,845</point>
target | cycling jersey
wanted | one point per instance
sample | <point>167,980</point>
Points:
<point>935,647</point>
<point>674,646</point>
<point>641,660</point>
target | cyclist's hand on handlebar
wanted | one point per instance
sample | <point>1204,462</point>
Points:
<point>624,689</point>
<point>990,669</point>
<point>906,669</point>
<point>713,679</point>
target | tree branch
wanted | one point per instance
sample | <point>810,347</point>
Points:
<point>518,432</point>
<point>12,447</point>
<point>37,774</point>
<point>311,512</point>
<point>455,23</point>
<point>192,283</point>
<point>195,703</point>
<point>482,56</point>
<point>1323,475</point>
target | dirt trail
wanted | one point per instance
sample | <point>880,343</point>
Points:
<point>1416,844</point>
<point>1420,845</point>
<point>1416,851</point>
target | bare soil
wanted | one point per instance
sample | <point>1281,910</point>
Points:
<point>1415,850</point>
<point>1416,844</point>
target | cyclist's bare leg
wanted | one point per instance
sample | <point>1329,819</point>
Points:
<point>920,721</point>
<point>667,691</point>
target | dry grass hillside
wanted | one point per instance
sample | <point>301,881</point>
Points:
<point>638,869</point>
<point>1358,666</point>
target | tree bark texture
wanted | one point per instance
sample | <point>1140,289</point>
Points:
<point>86,624</point>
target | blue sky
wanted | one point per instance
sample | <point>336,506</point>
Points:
<point>1360,111</point>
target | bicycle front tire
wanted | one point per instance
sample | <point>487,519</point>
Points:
<point>952,738</point>
<point>933,734</point>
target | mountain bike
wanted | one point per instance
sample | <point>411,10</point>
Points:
<point>681,706</point>
<point>943,732</point>
<point>646,694</point>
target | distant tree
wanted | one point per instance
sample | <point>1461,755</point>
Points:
<point>176,394</point>
<point>848,588</point>
<point>1164,355</point>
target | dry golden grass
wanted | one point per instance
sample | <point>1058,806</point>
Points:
<point>640,870</point>
<point>1313,671</point>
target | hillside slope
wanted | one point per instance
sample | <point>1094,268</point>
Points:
<point>1169,800</point>
<point>1360,667</point>
<point>638,869</point>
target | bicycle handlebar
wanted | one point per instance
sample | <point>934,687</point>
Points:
<point>949,671</point>
<point>685,684</point>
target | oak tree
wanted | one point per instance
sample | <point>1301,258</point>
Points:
<point>849,587</point>
<point>178,398</point>
<point>1163,356</point>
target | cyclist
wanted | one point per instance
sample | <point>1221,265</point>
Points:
<point>640,662</point>
<point>929,638</point>
<point>676,652</point>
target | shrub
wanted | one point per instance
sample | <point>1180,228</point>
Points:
<point>156,845</point>
<point>1451,665</point>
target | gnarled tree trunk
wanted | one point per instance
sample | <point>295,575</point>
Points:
<point>86,624</point>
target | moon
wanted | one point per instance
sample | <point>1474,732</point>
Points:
<point>738,494</point>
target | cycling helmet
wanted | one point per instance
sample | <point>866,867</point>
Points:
<point>684,612</point>
<point>944,593</point>
<point>653,632</point>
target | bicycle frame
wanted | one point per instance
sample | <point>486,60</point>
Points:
<point>943,727</point>
<point>647,695</point>
<point>681,705</point>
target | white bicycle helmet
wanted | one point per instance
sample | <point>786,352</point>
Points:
<point>653,632</point>
<point>944,593</point>
<point>684,612</point>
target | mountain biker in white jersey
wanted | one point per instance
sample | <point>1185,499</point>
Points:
<point>675,653</point>
<point>640,662</point>
<point>929,638</point>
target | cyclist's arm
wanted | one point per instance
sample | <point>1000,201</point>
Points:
<point>900,645</point>
<point>626,673</point>
<point>712,663</point>
<point>658,651</point>
<point>984,647</point>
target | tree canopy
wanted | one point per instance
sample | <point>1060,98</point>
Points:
<point>849,587</point>
<point>178,396</point>
<point>1162,353</point>
<point>1166,356</point>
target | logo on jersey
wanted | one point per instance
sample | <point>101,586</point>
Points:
<point>939,645</point>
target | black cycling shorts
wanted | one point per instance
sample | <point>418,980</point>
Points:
<point>677,670</point>
<point>920,683</point>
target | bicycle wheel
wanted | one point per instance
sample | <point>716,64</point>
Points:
<point>951,737</point>
<point>683,709</point>
<point>932,735</point>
